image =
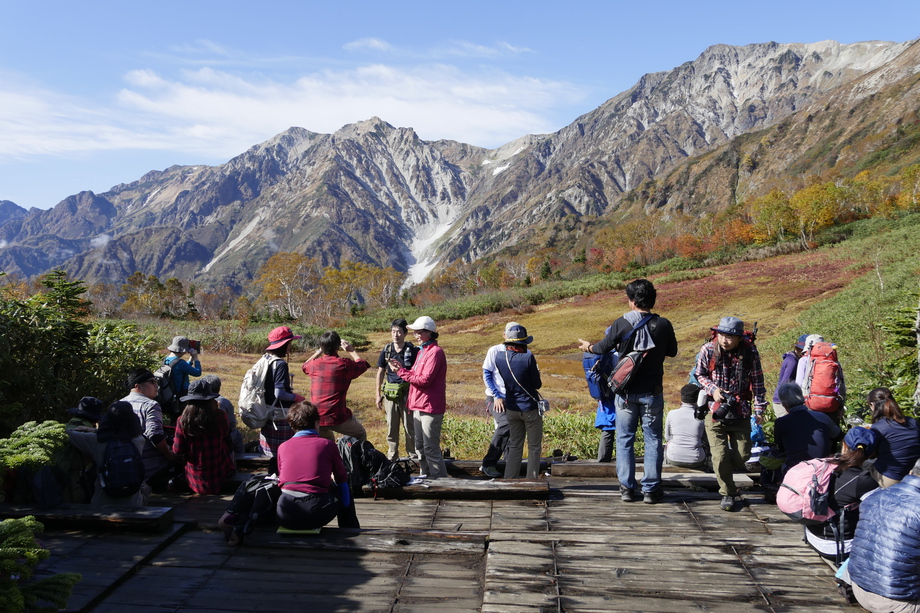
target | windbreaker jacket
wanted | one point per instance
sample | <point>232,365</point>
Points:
<point>428,381</point>
<point>885,556</point>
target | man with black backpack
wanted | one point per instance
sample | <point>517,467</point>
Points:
<point>728,369</point>
<point>157,454</point>
<point>642,398</point>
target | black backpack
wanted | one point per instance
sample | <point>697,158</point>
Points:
<point>166,392</point>
<point>350,450</point>
<point>122,470</point>
<point>392,475</point>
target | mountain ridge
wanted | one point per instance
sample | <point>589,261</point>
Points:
<point>375,193</point>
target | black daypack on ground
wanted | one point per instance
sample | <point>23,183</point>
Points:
<point>392,475</point>
<point>122,470</point>
<point>350,450</point>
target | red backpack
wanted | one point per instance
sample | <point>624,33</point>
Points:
<point>823,379</point>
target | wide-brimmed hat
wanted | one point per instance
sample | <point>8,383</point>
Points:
<point>730,325</point>
<point>517,334</point>
<point>199,390</point>
<point>423,323</point>
<point>279,336</point>
<point>88,408</point>
<point>862,436</point>
<point>180,344</point>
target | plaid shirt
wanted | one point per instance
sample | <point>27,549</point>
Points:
<point>730,375</point>
<point>330,377</point>
<point>208,457</point>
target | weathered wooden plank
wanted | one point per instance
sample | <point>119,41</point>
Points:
<point>86,517</point>
<point>411,541</point>
<point>468,489</point>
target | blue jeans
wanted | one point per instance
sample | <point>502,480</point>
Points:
<point>650,407</point>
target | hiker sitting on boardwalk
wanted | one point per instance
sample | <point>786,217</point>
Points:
<point>884,563</point>
<point>278,390</point>
<point>118,424</point>
<point>851,483</point>
<point>803,434</point>
<point>899,442</point>
<point>687,444</point>
<point>203,440</point>
<point>142,397</point>
<point>307,464</point>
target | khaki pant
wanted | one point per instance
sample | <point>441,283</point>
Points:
<point>878,604</point>
<point>352,427</point>
<point>399,422</point>
<point>730,444</point>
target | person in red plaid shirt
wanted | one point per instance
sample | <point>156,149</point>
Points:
<point>330,378</point>
<point>728,368</point>
<point>203,440</point>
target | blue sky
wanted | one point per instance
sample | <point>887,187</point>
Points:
<point>93,94</point>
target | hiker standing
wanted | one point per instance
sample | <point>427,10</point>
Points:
<point>330,377</point>
<point>278,388</point>
<point>787,371</point>
<point>182,369</point>
<point>392,392</point>
<point>517,369</point>
<point>729,370</point>
<point>498,446</point>
<point>427,395</point>
<point>643,397</point>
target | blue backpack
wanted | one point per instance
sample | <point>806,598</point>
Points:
<point>122,471</point>
<point>597,371</point>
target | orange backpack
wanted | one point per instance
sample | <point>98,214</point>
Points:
<point>823,379</point>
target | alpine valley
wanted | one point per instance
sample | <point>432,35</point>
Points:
<point>706,135</point>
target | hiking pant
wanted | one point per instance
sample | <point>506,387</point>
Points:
<point>605,446</point>
<point>300,511</point>
<point>428,443</point>
<point>730,443</point>
<point>352,427</point>
<point>521,424</point>
<point>498,446</point>
<point>399,422</point>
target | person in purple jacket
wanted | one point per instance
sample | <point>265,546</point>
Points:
<point>787,373</point>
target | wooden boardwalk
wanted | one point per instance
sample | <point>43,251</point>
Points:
<point>580,550</point>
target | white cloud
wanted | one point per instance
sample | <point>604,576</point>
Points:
<point>100,241</point>
<point>368,44</point>
<point>219,114</point>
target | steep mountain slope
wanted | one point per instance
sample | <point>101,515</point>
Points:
<point>371,192</point>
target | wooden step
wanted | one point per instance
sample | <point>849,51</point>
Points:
<point>84,516</point>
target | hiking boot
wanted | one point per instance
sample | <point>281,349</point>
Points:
<point>656,495</point>
<point>490,471</point>
<point>627,495</point>
<point>727,504</point>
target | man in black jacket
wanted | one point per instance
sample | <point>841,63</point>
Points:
<point>642,398</point>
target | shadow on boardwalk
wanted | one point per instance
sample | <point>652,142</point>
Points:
<point>581,550</point>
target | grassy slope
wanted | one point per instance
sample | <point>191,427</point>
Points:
<point>833,291</point>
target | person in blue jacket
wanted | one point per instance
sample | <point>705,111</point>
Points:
<point>182,369</point>
<point>884,563</point>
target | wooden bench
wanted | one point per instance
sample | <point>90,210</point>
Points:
<point>84,516</point>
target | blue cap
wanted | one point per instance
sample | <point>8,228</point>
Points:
<point>801,342</point>
<point>864,437</point>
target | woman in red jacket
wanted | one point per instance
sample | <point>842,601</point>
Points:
<point>427,399</point>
